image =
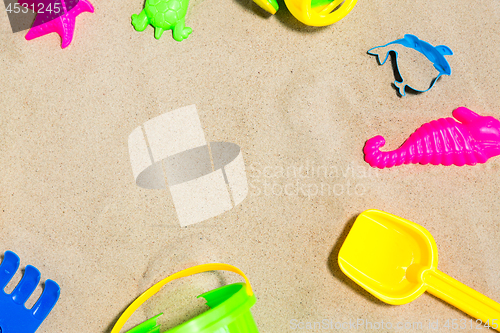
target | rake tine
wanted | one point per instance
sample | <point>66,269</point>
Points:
<point>47,301</point>
<point>27,285</point>
<point>8,268</point>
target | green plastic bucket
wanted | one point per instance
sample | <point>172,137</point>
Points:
<point>229,307</point>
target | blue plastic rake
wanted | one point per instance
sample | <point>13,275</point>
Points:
<point>14,316</point>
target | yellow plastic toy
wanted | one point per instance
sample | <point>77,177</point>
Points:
<point>396,261</point>
<point>187,272</point>
<point>316,13</point>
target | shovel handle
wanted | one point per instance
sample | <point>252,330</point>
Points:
<point>464,298</point>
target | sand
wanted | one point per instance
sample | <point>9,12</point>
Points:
<point>299,101</point>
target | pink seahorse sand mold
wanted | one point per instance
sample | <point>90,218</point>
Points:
<point>63,23</point>
<point>445,141</point>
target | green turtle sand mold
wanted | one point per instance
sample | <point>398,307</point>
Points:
<point>164,15</point>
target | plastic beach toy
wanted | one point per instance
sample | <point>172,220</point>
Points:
<point>444,141</point>
<point>14,316</point>
<point>229,307</point>
<point>59,18</point>
<point>396,261</point>
<point>164,15</point>
<point>316,13</point>
<point>435,55</point>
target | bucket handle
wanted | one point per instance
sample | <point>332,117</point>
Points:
<point>184,273</point>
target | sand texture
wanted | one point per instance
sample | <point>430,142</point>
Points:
<point>299,101</point>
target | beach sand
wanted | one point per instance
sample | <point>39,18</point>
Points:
<point>299,101</point>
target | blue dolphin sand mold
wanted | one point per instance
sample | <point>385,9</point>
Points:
<point>434,54</point>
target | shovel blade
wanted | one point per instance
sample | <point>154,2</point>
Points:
<point>386,255</point>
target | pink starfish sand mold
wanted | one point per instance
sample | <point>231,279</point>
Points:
<point>56,16</point>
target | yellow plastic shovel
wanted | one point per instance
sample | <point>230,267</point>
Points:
<point>396,261</point>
